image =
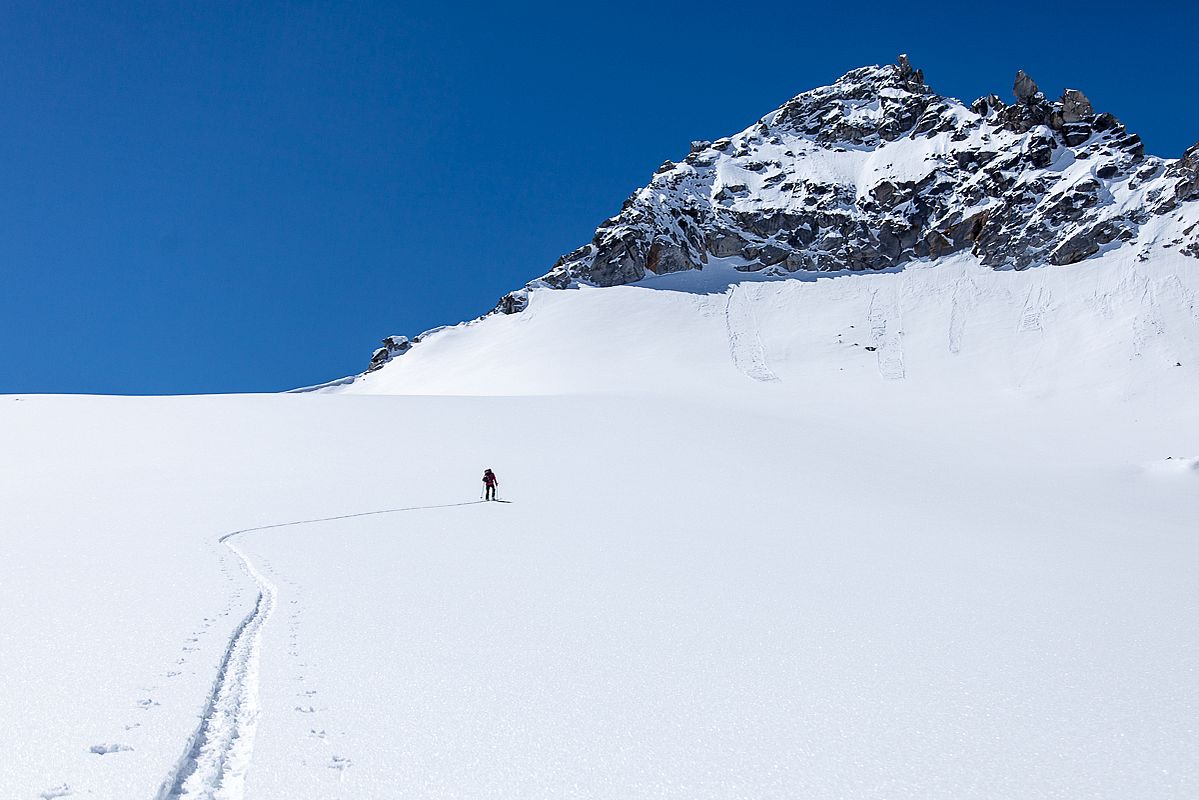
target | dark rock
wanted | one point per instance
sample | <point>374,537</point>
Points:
<point>1075,106</point>
<point>392,346</point>
<point>1187,170</point>
<point>665,257</point>
<point>906,73</point>
<point>1024,87</point>
<point>772,254</point>
<point>557,278</point>
<point>1075,133</point>
<point>1087,243</point>
<point>984,106</point>
<point>1132,145</point>
<point>1040,151</point>
<point>799,261</point>
<point>885,193</point>
<point>726,243</point>
<point>617,261</point>
<point>513,303</point>
<point>1184,175</point>
<point>967,230</point>
<point>1026,115</point>
<point>937,244</point>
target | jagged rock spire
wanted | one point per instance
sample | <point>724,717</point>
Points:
<point>906,72</point>
<point>1075,106</point>
<point>1025,88</point>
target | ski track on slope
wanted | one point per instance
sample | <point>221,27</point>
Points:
<point>1148,322</point>
<point>886,332</point>
<point>215,762</point>
<point>964,300</point>
<point>1032,315</point>
<point>745,343</point>
<point>1032,325</point>
<point>217,756</point>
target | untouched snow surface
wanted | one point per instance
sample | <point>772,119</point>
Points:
<point>927,534</point>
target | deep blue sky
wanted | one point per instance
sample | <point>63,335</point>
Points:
<point>213,197</point>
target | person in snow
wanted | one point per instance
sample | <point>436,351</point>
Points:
<point>490,482</point>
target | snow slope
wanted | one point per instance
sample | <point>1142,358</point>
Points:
<point>1116,326</point>
<point>926,534</point>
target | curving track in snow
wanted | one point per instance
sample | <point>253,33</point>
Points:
<point>217,756</point>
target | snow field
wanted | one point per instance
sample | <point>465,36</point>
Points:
<point>956,565</point>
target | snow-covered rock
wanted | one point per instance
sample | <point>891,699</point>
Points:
<point>878,169</point>
<point>392,346</point>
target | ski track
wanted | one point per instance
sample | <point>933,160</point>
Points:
<point>1036,304</point>
<point>217,757</point>
<point>886,332</point>
<point>1031,325</point>
<point>1147,324</point>
<point>745,343</point>
<point>215,762</point>
<point>964,299</point>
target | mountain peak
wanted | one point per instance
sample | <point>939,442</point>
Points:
<point>877,169</point>
<point>867,105</point>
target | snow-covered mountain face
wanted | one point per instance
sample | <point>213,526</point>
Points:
<point>878,169</point>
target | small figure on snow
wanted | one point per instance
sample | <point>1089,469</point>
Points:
<point>490,482</point>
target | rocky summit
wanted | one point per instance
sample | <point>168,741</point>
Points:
<point>878,169</point>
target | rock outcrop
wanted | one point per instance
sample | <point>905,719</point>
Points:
<point>392,346</point>
<point>1025,88</point>
<point>1182,181</point>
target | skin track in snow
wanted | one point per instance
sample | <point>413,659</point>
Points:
<point>219,754</point>
<point>886,334</point>
<point>216,763</point>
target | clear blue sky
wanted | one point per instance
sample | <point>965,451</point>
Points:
<point>214,197</point>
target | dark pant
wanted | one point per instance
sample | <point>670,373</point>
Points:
<point>490,491</point>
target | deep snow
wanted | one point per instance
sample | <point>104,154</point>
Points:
<point>746,557</point>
